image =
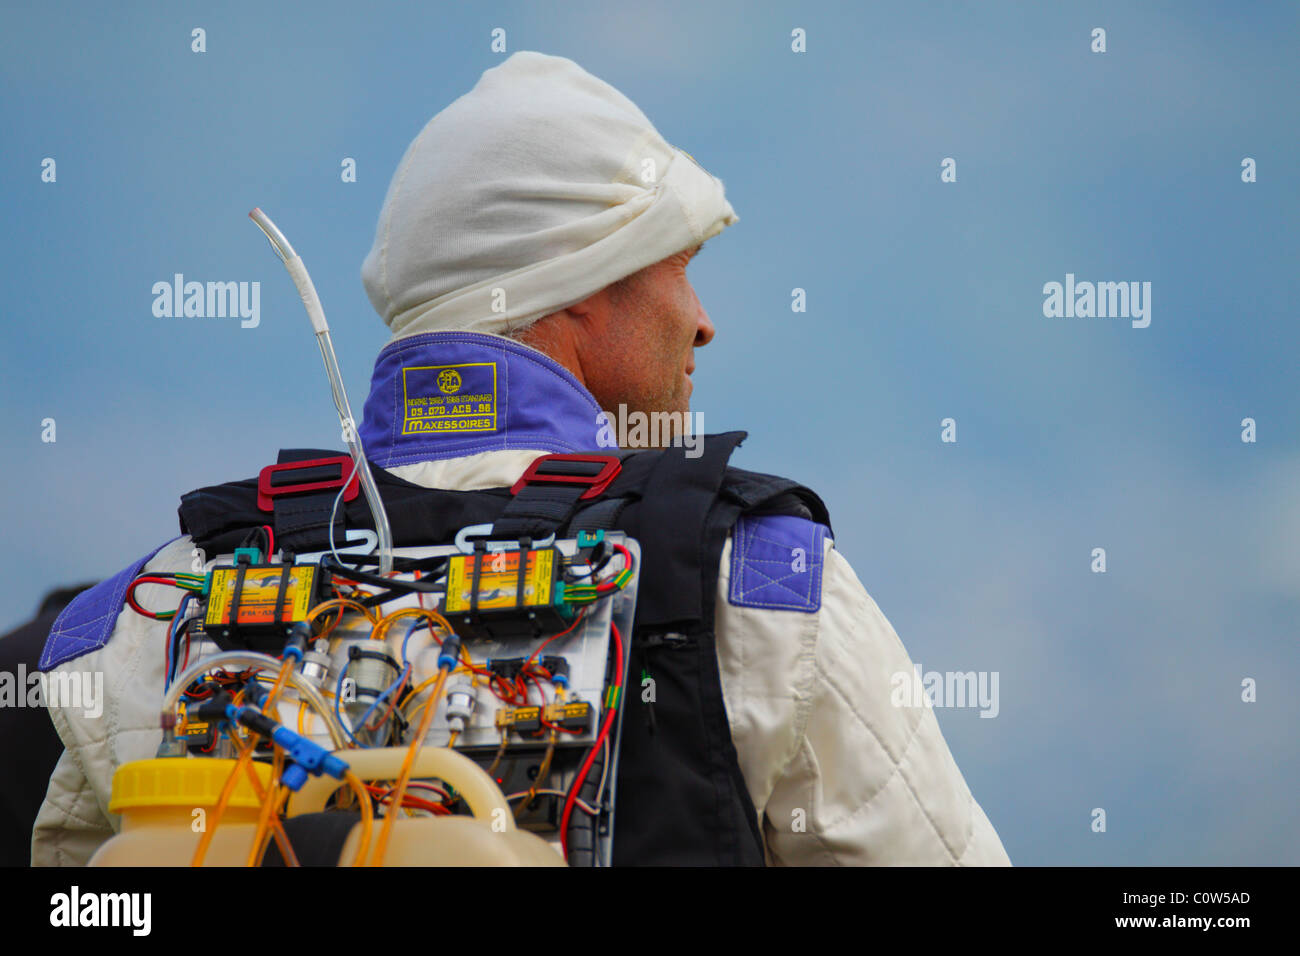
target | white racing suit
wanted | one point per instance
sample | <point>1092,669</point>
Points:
<point>840,770</point>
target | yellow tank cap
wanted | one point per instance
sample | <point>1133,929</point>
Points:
<point>181,782</point>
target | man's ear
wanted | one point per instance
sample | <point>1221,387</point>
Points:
<point>593,314</point>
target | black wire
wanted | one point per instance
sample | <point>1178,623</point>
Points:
<point>392,587</point>
<point>256,535</point>
<point>180,632</point>
<point>595,569</point>
<point>423,565</point>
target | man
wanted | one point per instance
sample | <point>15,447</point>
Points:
<point>29,748</point>
<point>531,262</point>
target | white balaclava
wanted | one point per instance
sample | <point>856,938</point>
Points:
<point>534,190</point>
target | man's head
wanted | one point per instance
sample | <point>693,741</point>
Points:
<point>545,191</point>
<point>632,343</point>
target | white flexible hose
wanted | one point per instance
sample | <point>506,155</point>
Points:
<point>311,302</point>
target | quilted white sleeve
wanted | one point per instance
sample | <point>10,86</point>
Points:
<point>70,826</point>
<point>838,774</point>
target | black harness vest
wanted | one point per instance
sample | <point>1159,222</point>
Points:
<point>681,798</point>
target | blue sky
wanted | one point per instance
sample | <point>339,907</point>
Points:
<point>1118,690</point>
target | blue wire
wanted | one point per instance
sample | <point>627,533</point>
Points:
<point>338,697</point>
<point>384,696</point>
<point>171,640</point>
<point>415,626</point>
<point>406,670</point>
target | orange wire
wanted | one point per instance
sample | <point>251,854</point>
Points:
<point>245,758</point>
<point>269,803</point>
<point>367,816</point>
<point>277,828</point>
<point>412,752</point>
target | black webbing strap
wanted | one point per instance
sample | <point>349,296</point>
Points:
<point>674,524</point>
<point>300,519</point>
<point>549,493</point>
<point>601,516</point>
<point>537,511</point>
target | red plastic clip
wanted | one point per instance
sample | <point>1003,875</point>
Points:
<point>610,467</point>
<point>269,486</point>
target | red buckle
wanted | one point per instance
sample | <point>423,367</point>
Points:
<point>266,491</point>
<point>598,482</point>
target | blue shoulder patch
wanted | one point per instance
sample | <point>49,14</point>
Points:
<point>776,563</point>
<point>86,624</point>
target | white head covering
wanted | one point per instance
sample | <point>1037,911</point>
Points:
<point>536,189</point>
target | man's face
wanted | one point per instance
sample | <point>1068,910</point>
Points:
<point>647,352</point>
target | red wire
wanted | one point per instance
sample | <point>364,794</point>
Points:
<point>576,621</point>
<point>148,579</point>
<point>541,692</point>
<point>385,797</point>
<point>600,739</point>
<point>627,563</point>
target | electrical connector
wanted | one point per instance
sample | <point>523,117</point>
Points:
<point>572,715</point>
<point>526,720</point>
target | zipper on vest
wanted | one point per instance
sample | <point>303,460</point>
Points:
<point>671,640</point>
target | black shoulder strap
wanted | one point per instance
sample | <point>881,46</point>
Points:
<point>219,516</point>
<point>767,494</point>
<point>668,515</point>
<point>681,508</point>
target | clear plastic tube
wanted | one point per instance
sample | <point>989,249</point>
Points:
<point>254,659</point>
<point>311,301</point>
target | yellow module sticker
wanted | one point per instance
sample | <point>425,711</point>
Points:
<point>259,595</point>
<point>498,580</point>
<point>184,727</point>
<point>449,399</point>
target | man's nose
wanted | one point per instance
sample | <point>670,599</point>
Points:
<point>704,330</point>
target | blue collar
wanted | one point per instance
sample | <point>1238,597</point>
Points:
<point>451,394</point>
